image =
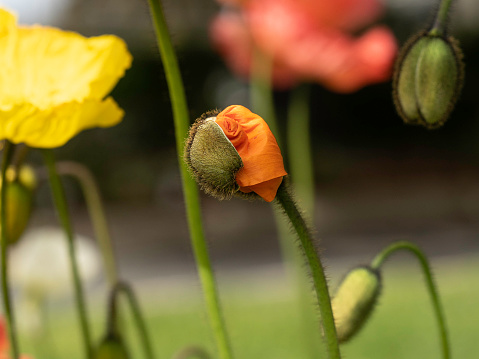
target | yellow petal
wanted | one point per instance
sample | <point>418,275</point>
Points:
<point>7,21</point>
<point>53,82</point>
<point>53,127</point>
<point>49,66</point>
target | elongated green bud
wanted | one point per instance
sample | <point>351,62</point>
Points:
<point>20,187</point>
<point>112,347</point>
<point>428,79</point>
<point>354,301</point>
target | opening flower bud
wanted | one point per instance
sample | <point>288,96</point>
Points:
<point>354,301</point>
<point>233,152</point>
<point>428,79</point>
<point>20,187</point>
<point>111,347</point>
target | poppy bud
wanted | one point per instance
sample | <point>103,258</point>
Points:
<point>233,152</point>
<point>20,186</point>
<point>112,347</point>
<point>428,79</point>
<point>212,158</point>
<point>354,301</point>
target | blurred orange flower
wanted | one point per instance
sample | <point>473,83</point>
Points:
<point>263,168</point>
<point>307,40</point>
<point>4,345</point>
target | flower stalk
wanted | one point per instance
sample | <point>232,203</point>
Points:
<point>440,23</point>
<point>299,147</point>
<point>7,303</point>
<point>287,203</point>
<point>190,189</point>
<point>379,260</point>
<point>60,202</point>
<point>262,101</point>
<point>94,203</point>
<point>112,325</point>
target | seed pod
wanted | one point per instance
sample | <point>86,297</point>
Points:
<point>20,187</point>
<point>112,347</point>
<point>428,79</point>
<point>354,301</point>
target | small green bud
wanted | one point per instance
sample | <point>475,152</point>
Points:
<point>212,158</point>
<point>20,187</point>
<point>354,301</point>
<point>428,79</point>
<point>112,347</point>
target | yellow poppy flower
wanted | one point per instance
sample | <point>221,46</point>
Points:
<point>53,83</point>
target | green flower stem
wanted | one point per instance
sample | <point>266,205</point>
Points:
<point>7,304</point>
<point>431,286</point>
<point>190,189</point>
<point>94,203</point>
<point>262,102</point>
<point>285,200</point>
<point>124,288</point>
<point>60,202</point>
<point>300,161</point>
<point>440,24</point>
<point>261,96</point>
<point>299,148</point>
<point>192,352</point>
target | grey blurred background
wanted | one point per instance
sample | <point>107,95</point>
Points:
<point>377,180</point>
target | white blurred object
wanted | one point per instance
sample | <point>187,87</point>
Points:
<point>45,12</point>
<point>40,264</point>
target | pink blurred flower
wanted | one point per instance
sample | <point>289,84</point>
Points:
<point>307,40</point>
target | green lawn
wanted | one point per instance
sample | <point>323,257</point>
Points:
<point>264,321</point>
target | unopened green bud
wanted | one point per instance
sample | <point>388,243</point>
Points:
<point>211,157</point>
<point>112,347</point>
<point>20,187</point>
<point>428,79</point>
<point>354,301</point>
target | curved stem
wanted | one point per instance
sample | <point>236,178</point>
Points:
<point>440,23</point>
<point>431,286</point>
<point>285,200</point>
<point>122,287</point>
<point>11,327</point>
<point>192,352</point>
<point>97,213</point>
<point>190,189</point>
<point>60,202</point>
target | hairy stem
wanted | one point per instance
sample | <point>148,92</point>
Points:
<point>379,260</point>
<point>285,200</point>
<point>440,23</point>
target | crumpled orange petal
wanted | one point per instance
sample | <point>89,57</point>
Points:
<point>263,168</point>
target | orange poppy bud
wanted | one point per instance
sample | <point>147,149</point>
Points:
<point>263,168</point>
<point>235,152</point>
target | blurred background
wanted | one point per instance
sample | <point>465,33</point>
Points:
<point>377,180</point>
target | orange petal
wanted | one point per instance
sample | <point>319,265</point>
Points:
<point>266,190</point>
<point>250,135</point>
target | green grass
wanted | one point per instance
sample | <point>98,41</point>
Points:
<point>264,322</point>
